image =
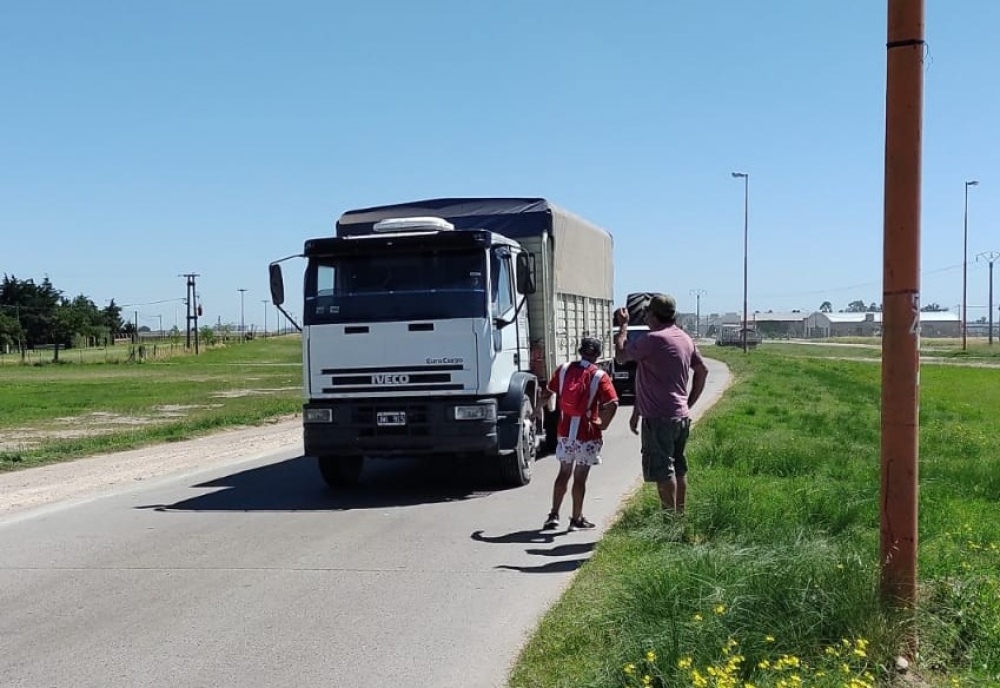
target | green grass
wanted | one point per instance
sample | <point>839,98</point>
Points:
<point>931,347</point>
<point>819,350</point>
<point>778,553</point>
<point>57,412</point>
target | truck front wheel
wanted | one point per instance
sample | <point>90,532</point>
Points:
<point>515,468</point>
<point>341,471</point>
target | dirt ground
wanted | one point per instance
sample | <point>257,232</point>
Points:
<point>35,487</point>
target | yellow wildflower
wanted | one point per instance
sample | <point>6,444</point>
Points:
<point>684,663</point>
<point>769,638</point>
<point>719,609</point>
<point>630,668</point>
<point>650,656</point>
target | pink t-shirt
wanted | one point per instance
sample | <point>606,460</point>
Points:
<point>664,359</point>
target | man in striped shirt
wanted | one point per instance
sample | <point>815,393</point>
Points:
<point>587,403</point>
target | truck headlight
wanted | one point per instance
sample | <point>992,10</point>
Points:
<point>317,415</point>
<point>476,412</point>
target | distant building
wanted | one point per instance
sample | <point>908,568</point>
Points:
<point>932,324</point>
<point>779,325</point>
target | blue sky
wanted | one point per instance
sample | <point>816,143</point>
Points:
<point>140,141</point>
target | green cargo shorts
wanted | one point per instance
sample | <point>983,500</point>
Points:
<point>663,443</point>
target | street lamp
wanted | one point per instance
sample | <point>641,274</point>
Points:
<point>697,293</point>
<point>242,291</point>
<point>965,262</point>
<point>746,219</point>
<point>990,257</point>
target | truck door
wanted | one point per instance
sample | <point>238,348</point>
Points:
<point>506,339</point>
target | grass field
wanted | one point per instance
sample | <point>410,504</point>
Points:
<point>976,347</point>
<point>771,578</point>
<point>56,412</point>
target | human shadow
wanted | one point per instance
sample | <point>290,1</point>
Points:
<point>540,537</point>
<point>296,485</point>
<point>523,537</point>
<point>564,566</point>
<point>563,550</point>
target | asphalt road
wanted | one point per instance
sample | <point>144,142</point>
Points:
<point>256,575</point>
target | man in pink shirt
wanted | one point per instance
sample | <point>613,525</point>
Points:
<point>665,359</point>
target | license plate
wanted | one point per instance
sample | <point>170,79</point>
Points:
<point>391,418</point>
<point>621,376</point>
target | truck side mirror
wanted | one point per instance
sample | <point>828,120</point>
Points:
<point>277,284</point>
<point>525,273</point>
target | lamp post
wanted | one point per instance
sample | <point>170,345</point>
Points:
<point>264,301</point>
<point>242,291</point>
<point>697,293</point>
<point>990,257</point>
<point>965,262</point>
<point>746,220</point>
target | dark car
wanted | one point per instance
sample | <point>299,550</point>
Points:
<point>623,374</point>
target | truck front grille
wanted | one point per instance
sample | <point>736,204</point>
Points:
<point>366,420</point>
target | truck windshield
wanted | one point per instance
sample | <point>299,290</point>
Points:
<point>424,285</point>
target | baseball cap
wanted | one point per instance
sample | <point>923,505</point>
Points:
<point>590,346</point>
<point>663,306</point>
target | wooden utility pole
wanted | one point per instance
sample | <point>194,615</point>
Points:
<point>901,299</point>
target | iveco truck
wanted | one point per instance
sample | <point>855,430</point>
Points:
<point>431,328</point>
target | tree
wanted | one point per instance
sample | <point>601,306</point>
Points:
<point>44,316</point>
<point>11,333</point>
<point>112,316</point>
<point>826,307</point>
<point>933,308</point>
<point>857,306</point>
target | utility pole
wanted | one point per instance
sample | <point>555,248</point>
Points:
<point>965,262</point>
<point>697,293</point>
<point>191,321</point>
<point>746,221</point>
<point>990,257</point>
<point>901,304</point>
<point>193,309</point>
<point>264,301</point>
<point>242,291</point>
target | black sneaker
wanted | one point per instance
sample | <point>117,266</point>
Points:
<point>580,524</point>
<point>551,522</point>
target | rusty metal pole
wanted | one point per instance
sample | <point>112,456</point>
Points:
<point>901,299</point>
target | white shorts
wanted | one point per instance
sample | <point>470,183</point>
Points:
<point>587,453</point>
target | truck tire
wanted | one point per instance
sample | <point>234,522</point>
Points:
<point>636,303</point>
<point>341,471</point>
<point>515,468</point>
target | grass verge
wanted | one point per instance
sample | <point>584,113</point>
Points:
<point>771,579</point>
<point>58,412</point>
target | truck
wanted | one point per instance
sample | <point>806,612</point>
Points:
<point>732,335</point>
<point>431,328</point>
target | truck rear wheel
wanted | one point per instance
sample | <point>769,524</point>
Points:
<point>515,468</point>
<point>341,471</point>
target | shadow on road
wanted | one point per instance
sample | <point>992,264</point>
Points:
<point>543,537</point>
<point>296,485</point>
<point>563,550</point>
<point>565,566</point>
<point>522,537</point>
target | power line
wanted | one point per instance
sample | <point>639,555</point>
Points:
<point>860,285</point>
